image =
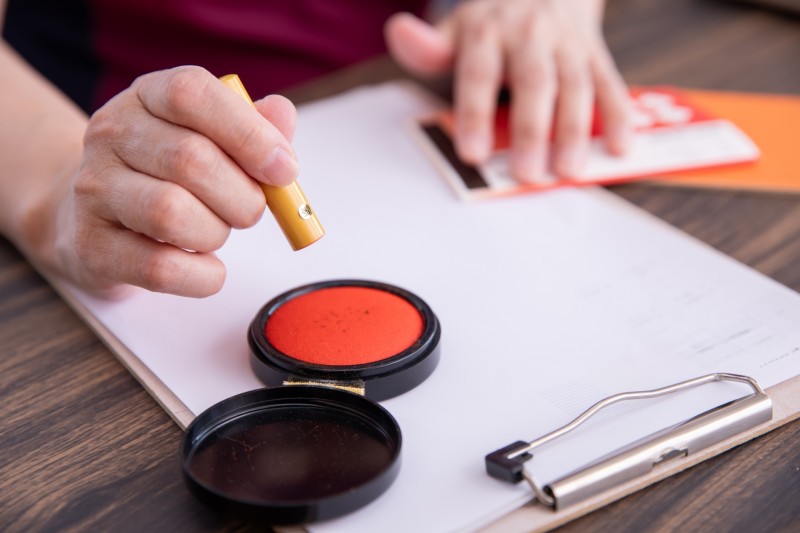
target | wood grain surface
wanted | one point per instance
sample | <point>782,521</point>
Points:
<point>84,447</point>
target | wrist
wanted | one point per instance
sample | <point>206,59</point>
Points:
<point>41,136</point>
<point>39,217</point>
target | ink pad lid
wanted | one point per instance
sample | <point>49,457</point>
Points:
<point>290,455</point>
<point>309,449</point>
<point>388,337</point>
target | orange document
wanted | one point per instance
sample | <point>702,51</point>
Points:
<point>772,122</point>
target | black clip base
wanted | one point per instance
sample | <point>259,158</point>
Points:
<point>499,466</point>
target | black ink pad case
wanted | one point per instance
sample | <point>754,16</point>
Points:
<point>315,445</point>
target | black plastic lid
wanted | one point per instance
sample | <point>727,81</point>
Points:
<point>382,379</point>
<point>291,455</point>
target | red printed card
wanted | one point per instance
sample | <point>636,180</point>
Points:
<point>673,134</point>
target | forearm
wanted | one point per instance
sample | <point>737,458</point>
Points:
<point>41,142</point>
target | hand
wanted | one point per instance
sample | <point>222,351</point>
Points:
<point>551,54</point>
<point>169,167</point>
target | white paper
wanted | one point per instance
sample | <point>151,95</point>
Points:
<point>547,302</point>
<point>697,145</point>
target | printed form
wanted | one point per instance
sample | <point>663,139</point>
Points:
<point>548,303</point>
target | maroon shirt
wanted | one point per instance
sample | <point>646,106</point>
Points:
<point>94,49</point>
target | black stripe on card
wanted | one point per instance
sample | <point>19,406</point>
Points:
<point>469,175</point>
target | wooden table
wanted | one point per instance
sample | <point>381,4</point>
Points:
<point>85,447</point>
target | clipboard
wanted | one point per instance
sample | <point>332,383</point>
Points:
<point>775,406</point>
<point>787,405</point>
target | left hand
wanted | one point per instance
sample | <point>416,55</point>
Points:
<point>552,55</point>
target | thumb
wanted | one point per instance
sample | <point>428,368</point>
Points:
<point>418,46</point>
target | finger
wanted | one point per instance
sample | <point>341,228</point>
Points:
<point>124,256</point>
<point>613,101</point>
<point>164,212</point>
<point>173,153</point>
<point>280,112</point>
<point>418,46</point>
<point>193,98</point>
<point>573,112</point>
<point>532,77</point>
<point>478,75</point>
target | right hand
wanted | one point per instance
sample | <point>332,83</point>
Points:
<point>169,167</point>
<point>550,54</point>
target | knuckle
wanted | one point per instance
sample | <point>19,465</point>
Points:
<point>532,26</point>
<point>527,133</point>
<point>250,136</point>
<point>569,132</point>
<point>142,85</point>
<point>574,78</point>
<point>86,185</point>
<point>533,76</point>
<point>473,116</point>
<point>475,72</point>
<point>167,211</point>
<point>480,27</point>
<point>186,87</point>
<point>191,156</point>
<point>157,271</point>
<point>144,79</point>
<point>103,126</point>
<point>93,188</point>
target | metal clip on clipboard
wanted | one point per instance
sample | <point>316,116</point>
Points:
<point>639,458</point>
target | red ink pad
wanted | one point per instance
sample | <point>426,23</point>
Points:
<point>372,334</point>
<point>344,326</point>
<point>314,450</point>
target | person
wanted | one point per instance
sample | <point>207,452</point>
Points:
<point>96,187</point>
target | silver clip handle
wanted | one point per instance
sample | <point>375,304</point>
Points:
<point>637,459</point>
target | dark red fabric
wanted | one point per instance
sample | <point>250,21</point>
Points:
<point>271,44</point>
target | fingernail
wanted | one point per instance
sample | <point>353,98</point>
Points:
<point>569,161</point>
<point>528,165</point>
<point>474,147</point>
<point>280,168</point>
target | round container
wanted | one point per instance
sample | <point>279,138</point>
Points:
<point>403,357</point>
<point>311,451</point>
<point>291,454</point>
